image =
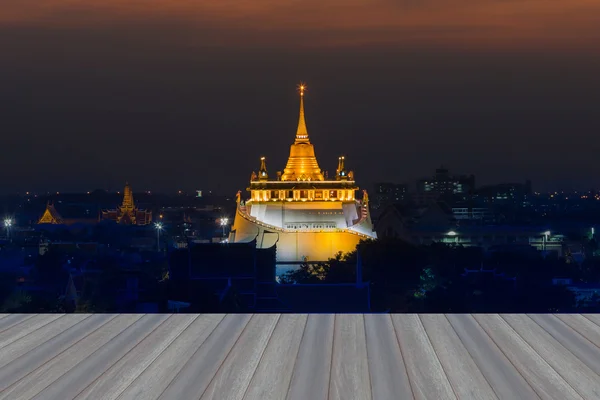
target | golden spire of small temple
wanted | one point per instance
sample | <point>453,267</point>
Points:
<point>127,198</point>
<point>302,132</point>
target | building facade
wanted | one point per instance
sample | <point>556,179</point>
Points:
<point>307,215</point>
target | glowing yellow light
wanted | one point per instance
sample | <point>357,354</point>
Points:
<point>302,88</point>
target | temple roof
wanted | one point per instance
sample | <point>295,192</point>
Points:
<point>302,163</point>
<point>50,216</point>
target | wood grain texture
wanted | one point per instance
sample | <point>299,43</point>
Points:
<point>504,378</point>
<point>310,379</point>
<point>566,364</point>
<point>427,377</point>
<point>26,327</point>
<point>462,372</point>
<point>155,379</point>
<point>118,377</point>
<point>580,346</point>
<point>543,378</point>
<point>34,339</point>
<point>13,319</point>
<point>579,324</point>
<point>200,369</point>
<point>233,377</point>
<point>30,361</point>
<point>387,370</point>
<point>350,366</point>
<point>76,379</point>
<point>55,367</point>
<point>298,357</point>
<point>272,377</point>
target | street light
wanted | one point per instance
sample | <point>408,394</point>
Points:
<point>224,222</point>
<point>158,227</point>
<point>546,235</point>
<point>7,224</point>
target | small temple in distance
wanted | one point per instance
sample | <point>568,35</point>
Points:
<point>51,216</point>
<point>306,215</point>
<point>127,213</point>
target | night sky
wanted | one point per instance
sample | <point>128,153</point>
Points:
<point>170,94</point>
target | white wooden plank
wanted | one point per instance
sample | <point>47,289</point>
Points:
<point>233,377</point>
<point>116,379</point>
<point>462,372</point>
<point>195,377</point>
<point>26,327</point>
<point>27,343</point>
<point>310,379</point>
<point>543,378</point>
<point>274,372</point>
<point>582,325</point>
<point>33,359</point>
<point>155,379</point>
<point>427,377</point>
<point>81,375</point>
<point>507,382</point>
<point>12,320</point>
<point>389,379</point>
<point>40,378</point>
<point>581,378</point>
<point>595,318</point>
<point>580,346</point>
<point>349,365</point>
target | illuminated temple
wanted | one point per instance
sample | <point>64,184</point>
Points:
<point>128,213</point>
<point>308,216</point>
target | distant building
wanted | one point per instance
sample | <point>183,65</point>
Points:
<point>506,193</point>
<point>389,193</point>
<point>437,223</point>
<point>472,213</point>
<point>51,216</point>
<point>128,213</point>
<point>444,184</point>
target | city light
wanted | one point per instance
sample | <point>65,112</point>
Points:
<point>158,227</point>
<point>7,224</point>
<point>452,233</point>
<point>224,222</point>
<point>547,233</point>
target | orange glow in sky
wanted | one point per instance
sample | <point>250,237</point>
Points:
<point>317,23</point>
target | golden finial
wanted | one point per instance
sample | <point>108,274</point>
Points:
<point>301,133</point>
<point>301,88</point>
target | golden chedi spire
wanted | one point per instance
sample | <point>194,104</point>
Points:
<point>127,198</point>
<point>302,164</point>
<point>301,132</point>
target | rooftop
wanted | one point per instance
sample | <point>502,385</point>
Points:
<point>292,356</point>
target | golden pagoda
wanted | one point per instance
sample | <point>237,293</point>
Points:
<point>307,215</point>
<point>128,213</point>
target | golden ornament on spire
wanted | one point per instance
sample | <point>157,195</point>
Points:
<point>302,132</point>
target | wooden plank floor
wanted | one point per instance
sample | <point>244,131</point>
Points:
<point>298,357</point>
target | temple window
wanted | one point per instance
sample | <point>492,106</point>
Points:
<point>303,194</point>
<point>333,194</point>
<point>290,194</point>
<point>274,194</point>
<point>318,195</point>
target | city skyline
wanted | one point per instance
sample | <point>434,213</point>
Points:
<point>185,96</point>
